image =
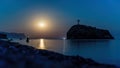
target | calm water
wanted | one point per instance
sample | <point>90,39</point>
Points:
<point>103,51</point>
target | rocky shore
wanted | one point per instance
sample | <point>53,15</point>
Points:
<point>15,55</point>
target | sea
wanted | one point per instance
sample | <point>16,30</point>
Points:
<point>102,51</point>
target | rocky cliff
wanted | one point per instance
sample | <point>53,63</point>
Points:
<point>3,36</point>
<point>87,32</point>
<point>13,35</point>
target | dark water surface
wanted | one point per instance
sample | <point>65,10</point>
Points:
<point>103,51</point>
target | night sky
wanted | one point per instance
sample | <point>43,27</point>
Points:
<point>19,15</point>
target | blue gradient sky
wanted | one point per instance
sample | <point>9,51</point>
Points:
<point>15,15</point>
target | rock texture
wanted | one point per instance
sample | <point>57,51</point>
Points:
<point>87,32</point>
<point>15,55</point>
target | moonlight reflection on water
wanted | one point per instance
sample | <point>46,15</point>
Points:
<point>42,44</point>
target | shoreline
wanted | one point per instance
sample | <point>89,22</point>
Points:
<point>15,55</point>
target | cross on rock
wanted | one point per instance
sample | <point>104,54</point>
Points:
<point>78,21</point>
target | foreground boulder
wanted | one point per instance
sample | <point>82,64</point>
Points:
<point>15,55</point>
<point>87,32</point>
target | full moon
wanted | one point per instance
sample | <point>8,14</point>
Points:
<point>41,24</point>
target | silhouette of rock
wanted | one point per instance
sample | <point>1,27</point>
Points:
<point>87,32</point>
